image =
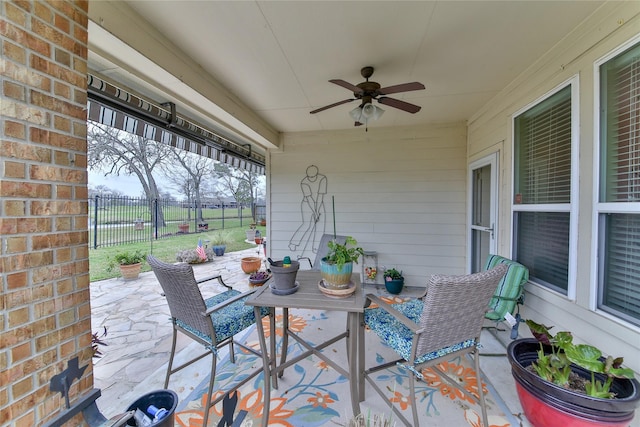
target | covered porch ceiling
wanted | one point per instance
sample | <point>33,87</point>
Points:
<point>252,70</point>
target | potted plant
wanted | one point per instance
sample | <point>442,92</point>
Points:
<point>183,227</point>
<point>219,242</point>
<point>251,234</point>
<point>336,267</point>
<point>130,263</point>
<point>562,383</point>
<point>393,280</point>
<point>258,278</point>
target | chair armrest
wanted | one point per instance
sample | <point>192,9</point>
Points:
<point>217,277</point>
<point>413,326</point>
<point>228,302</point>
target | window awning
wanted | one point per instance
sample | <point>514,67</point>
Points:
<point>118,108</point>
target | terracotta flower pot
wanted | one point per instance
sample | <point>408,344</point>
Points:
<point>250,264</point>
<point>130,271</point>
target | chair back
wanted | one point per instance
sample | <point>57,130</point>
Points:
<point>510,288</point>
<point>323,248</point>
<point>454,308</point>
<point>183,294</point>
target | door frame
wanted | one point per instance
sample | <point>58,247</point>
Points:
<point>493,161</point>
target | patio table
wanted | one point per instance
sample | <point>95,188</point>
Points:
<point>310,297</point>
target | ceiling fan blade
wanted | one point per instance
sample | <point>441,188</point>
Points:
<point>346,85</point>
<point>335,104</point>
<point>357,124</point>
<point>405,87</point>
<point>396,103</point>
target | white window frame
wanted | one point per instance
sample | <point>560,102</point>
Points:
<point>604,207</point>
<point>572,206</point>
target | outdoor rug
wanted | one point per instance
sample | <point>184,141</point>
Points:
<point>311,393</point>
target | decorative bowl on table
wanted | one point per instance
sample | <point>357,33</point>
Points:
<point>259,278</point>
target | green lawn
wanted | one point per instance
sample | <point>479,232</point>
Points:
<point>163,249</point>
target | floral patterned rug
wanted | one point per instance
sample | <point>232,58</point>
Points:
<point>311,393</point>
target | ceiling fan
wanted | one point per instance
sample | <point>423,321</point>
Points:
<point>368,91</point>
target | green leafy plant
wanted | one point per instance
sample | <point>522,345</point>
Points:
<point>127,258</point>
<point>340,254</point>
<point>392,274</point>
<point>555,367</point>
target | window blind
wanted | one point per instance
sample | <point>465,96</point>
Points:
<point>619,237</point>
<point>621,128</point>
<point>543,151</point>
<point>620,291</point>
<point>542,146</point>
<point>543,246</point>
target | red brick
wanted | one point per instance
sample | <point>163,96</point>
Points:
<point>55,139</point>
<point>43,12</point>
<point>15,14</point>
<point>17,280</point>
<point>24,189</point>
<point>16,244</point>
<point>14,52</point>
<point>18,317</point>
<point>14,129</point>
<point>62,23</point>
<point>61,89</point>
<point>61,123</point>
<point>21,352</point>
<point>14,170</point>
<point>25,151</point>
<point>13,90</point>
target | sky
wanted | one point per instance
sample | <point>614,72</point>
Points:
<point>129,185</point>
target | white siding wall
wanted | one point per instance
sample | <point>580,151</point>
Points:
<point>492,128</point>
<point>398,191</point>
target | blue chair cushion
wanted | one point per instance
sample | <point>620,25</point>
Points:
<point>397,336</point>
<point>229,320</point>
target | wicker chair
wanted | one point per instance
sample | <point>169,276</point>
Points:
<point>323,249</point>
<point>447,322</point>
<point>212,322</point>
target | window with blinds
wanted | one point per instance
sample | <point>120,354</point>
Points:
<point>542,187</point>
<point>619,204</point>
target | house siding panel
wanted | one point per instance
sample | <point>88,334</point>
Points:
<point>491,130</point>
<point>398,191</point>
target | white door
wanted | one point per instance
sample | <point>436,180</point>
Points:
<point>483,189</point>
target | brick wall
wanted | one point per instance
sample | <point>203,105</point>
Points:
<point>44,268</point>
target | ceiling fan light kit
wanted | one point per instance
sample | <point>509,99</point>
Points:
<point>367,92</point>
<point>363,114</point>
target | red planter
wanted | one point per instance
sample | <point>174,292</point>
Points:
<point>548,405</point>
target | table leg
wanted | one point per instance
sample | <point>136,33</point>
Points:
<point>361,359</point>
<point>266,364</point>
<point>285,339</point>
<point>353,355</point>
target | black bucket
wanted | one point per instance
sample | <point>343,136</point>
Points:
<point>165,399</point>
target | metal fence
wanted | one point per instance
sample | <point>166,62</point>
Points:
<point>121,220</point>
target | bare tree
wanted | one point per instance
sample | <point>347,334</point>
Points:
<point>242,184</point>
<point>190,177</point>
<point>116,152</point>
